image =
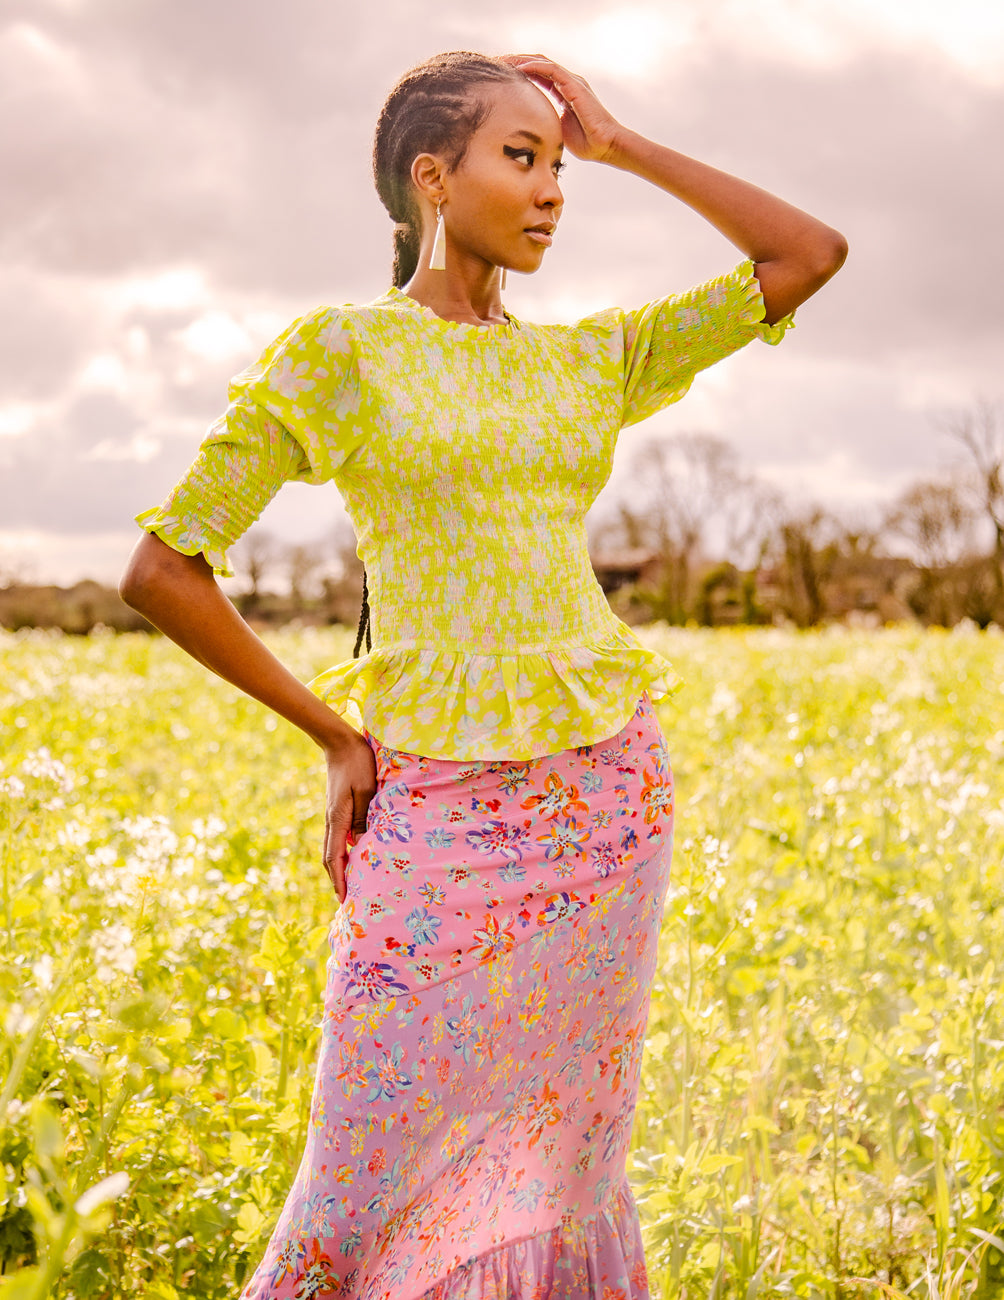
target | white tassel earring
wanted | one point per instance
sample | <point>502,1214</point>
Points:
<point>502,285</point>
<point>437,258</point>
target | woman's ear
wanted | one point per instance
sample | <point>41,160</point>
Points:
<point>427,177</point>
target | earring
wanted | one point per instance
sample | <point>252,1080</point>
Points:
<point>502,285</point>
<point>437,258</point>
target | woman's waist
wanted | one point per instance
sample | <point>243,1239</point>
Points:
<point>480,631</point>
<point>478,607</point>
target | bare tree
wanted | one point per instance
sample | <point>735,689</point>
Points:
<point>981,434</point>
<point>754,511</point>
<point>806,551</point>
<point>304,563</point>
<point>860,535</point>
<point>16,570</point>
<point>342,594</point>
<point>684,489</point>
<point>936,520</point>
<point>253,556</point>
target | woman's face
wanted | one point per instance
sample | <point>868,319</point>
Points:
<point>507,183</point>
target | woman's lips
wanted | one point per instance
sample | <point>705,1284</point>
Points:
<point>540,237</point>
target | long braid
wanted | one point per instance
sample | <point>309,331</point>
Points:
<point>407,243</point>
<point>364,622</point>
<point>432,109</point>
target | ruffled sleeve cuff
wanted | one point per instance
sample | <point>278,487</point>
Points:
<point>754,309</point>
<point>668,341</point>
<point>185,532</point>
<point>243,461</point>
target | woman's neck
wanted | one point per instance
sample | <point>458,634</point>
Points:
<point>472,298</point>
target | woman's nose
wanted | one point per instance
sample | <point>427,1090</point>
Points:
<point>550,195</point>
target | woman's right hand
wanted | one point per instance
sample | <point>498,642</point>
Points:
<point>589,130</point>
<point>351,786</point>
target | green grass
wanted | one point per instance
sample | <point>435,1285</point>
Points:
<point>822,1102</point>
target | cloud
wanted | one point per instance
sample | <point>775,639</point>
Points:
<point>186,179</point>
<point>640,41</point>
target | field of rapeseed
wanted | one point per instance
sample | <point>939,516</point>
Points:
<point>822,1103</point>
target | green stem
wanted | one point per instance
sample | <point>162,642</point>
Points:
<point>98,1154</point>
<point>28,1046</point>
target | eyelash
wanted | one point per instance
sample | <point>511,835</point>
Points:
<point>531,156</point>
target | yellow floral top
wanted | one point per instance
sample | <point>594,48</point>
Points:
<point>467,457</point>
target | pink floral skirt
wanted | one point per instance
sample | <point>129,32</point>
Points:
<point>487,997</point>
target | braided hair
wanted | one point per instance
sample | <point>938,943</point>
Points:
<point>434,108</point>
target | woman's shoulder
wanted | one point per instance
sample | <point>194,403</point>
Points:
<point>328,315</point>
<point>333,327</point>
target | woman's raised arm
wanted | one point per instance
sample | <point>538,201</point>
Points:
<point>179,595</point>
<point>794,253</point>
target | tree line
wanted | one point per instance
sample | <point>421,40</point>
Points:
<point>694,538</point>
<point>701,540</point>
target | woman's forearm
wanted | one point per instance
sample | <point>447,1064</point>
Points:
<point>179,595</point>
<point>795,253</point>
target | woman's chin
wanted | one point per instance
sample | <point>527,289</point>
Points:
<point>527,265</point>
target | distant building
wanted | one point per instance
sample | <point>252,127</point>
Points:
<point>616,569</point>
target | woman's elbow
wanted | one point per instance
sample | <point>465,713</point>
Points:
<point>135,578</point>
<point>830,255</point>
<point>153,567</point>
<point>817,264</point>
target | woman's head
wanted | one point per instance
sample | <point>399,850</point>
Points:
<point>436,110</point>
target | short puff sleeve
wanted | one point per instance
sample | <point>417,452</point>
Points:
<point>666,342</point>
<point>293,415</point>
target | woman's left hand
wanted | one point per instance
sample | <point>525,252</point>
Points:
<point>589,131</point>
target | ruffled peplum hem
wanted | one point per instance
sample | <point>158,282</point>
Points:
<point>587,1259</point>
<point>456,705</point>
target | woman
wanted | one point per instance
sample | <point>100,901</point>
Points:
<point>499,811</point>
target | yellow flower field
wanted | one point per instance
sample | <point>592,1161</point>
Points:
<point>822,1103</point>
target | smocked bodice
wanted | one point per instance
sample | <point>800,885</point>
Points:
<point>467,458</point>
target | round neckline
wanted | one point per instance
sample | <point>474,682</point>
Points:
<point>398,295</point>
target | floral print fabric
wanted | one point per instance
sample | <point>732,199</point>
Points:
<point>485,1012</point>
<point>467,458</point>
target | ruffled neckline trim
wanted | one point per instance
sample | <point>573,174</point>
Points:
<point>397,297</point>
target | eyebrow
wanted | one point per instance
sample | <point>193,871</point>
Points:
<point>534,139</point>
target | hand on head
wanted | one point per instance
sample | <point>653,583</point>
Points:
<point>589,131</point>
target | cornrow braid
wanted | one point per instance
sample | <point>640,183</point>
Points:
<point>434,108</point>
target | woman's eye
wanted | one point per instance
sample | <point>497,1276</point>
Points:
<point>529,157</point>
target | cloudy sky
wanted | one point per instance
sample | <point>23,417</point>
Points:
<point>181,178</point>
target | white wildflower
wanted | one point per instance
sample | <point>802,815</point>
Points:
<point>109,1189</point>
<point>41,766</point>
<point>113,952</point>
<point>747,912</point>
<point>43,970</point>
<point>724,701</point>
<point>73,835</point>
<point>17,1020</point>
